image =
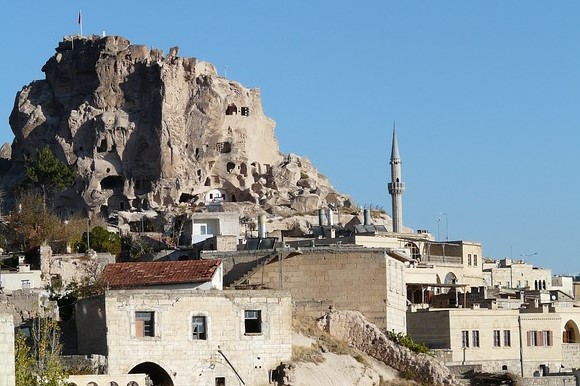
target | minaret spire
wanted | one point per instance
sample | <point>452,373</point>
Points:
<point>396,186</point>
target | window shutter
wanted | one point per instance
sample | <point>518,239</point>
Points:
<point>529,336</point>
<point>539,338</point>
<point>140,328</point>
<point>550,338</point>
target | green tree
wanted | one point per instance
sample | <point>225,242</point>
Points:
<point>23,361</point>
<point>102,240</point>
<point>32,223</point>
<point>48,173</point>
<point>41,365</point>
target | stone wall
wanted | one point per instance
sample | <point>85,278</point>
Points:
<point>7,377</point>
<point>567,380</point>
<point>353,328</point>
<point>72,267</point>
<point>106,380</point>
<point>364,280</point>
<point>24,305</point>
<point>189,361</point>
<point>571,355</point>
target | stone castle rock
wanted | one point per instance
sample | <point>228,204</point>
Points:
<point>148,131</point>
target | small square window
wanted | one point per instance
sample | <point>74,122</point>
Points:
<point>253,321</point>
<point>144,323</point>
<point>199,328</point>
<point>220,381</point>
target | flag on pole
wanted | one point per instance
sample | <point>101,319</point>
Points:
<point>80,21</point>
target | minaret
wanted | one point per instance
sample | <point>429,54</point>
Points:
<point>396,186</point>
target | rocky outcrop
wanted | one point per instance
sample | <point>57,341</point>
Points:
<point>352,327</point>
<point>146,130</point>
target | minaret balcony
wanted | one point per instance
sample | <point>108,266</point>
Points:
<point>396,187</point>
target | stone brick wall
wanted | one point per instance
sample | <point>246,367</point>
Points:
<point>571,355</point>
<point>567,380</point>
<point>364,280</point>
<point>7,377</point>
<point>189,361</point>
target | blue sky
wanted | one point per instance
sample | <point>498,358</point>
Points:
<point>485,96</point>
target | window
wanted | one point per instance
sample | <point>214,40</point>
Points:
<point>144,323</point>
<point>253,321</point>
<point>475,335</point>
<point>507,338</point>
<point>475,260</point>
<point>540,338</point>
<point>532,338</point>
<point>496,338</point>
<point>546,338</point>
<point>25,283</point>
<point>464,338</point>
<point>469,259</point>
<point>220,381</point>
<point>199,328</point>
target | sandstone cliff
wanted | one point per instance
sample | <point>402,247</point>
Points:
<point>148,131</point>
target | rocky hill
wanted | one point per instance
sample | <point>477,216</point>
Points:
<point>150,131</point>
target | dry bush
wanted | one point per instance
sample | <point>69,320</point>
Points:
<point>307,325</point>
<point>310,354</point>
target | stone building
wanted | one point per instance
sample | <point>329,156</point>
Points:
<point>527,341</point>
<point>371,281</point>
<point>7,377</point>
<point>508,273</point>
<point>189,337</point>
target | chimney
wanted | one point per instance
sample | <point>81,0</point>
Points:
<point>367,217</point>
<point>321,217</point>
<point>262,226</point>
<point>330,217</point>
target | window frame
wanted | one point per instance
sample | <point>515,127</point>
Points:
<point>507,338</point>
<point>251,327</point>
<point>464,339</point>
<point>149,329</point>
<point>196,335</point>
<point>475,338</point>
<point>496,338</point>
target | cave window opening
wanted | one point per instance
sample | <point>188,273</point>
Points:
<point>207,182</point>
<point>234,198</point>
<point>112,182</point>
<point>230,166</point>
<point>102,146</point>
<point>197,152</point>
<point>121,205</point>
<point>243,169</point>
<point>223,147</point>
<point>232,109</point>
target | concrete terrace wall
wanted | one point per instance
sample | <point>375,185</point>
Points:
<point>7,377</point>
<point>364,280</point>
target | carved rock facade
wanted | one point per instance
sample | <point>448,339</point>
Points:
<point>148,131</point>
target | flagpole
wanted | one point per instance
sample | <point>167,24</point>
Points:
<point>81,21</point>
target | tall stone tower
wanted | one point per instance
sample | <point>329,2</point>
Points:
<point>396,186</point>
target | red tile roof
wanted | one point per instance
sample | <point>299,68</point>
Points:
<point>130,275</point>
